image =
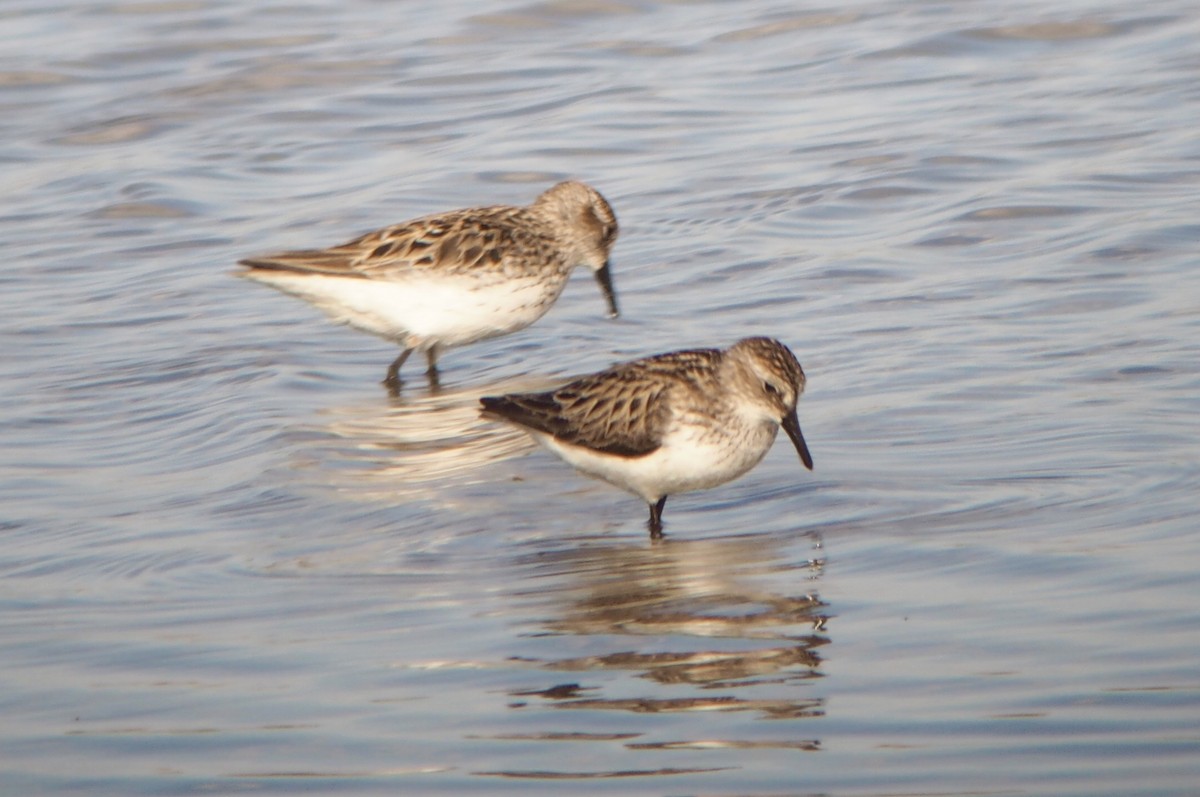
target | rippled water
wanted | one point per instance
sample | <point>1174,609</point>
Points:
<point>230,563</point>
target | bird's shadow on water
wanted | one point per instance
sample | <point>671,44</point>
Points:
<point>727,629</point>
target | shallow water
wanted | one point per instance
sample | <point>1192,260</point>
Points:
<point>231,563</point>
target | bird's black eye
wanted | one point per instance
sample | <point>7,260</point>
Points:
<point>771,389</point>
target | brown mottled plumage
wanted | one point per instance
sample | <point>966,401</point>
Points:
<point>456,277</point>
<point>671,423</point>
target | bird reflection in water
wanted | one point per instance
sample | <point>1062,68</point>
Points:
<point>704,625</point>
<point>418,446</point>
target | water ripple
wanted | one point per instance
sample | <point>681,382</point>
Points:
<point>231,558</point>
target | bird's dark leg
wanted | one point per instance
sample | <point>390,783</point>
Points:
<point>392,380</point>
<point>432,371</point>
<point>655,523</point>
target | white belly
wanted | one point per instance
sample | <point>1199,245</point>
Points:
<point>424,311</point>
<point>692,458</point>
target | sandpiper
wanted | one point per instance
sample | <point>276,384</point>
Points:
<point>454,278</point>
<point>672,423</point>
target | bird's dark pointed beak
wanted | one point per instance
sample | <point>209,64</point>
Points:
<point>791,425</point>
<point>604,277</point>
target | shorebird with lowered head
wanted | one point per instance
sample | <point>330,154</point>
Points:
<point>454,278</point>
<point>672,423</point>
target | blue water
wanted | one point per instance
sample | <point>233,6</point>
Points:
<point>230,562</point>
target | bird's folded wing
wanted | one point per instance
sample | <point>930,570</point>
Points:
<point>450,242</point>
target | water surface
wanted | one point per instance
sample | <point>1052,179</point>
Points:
<point>231,562</point>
